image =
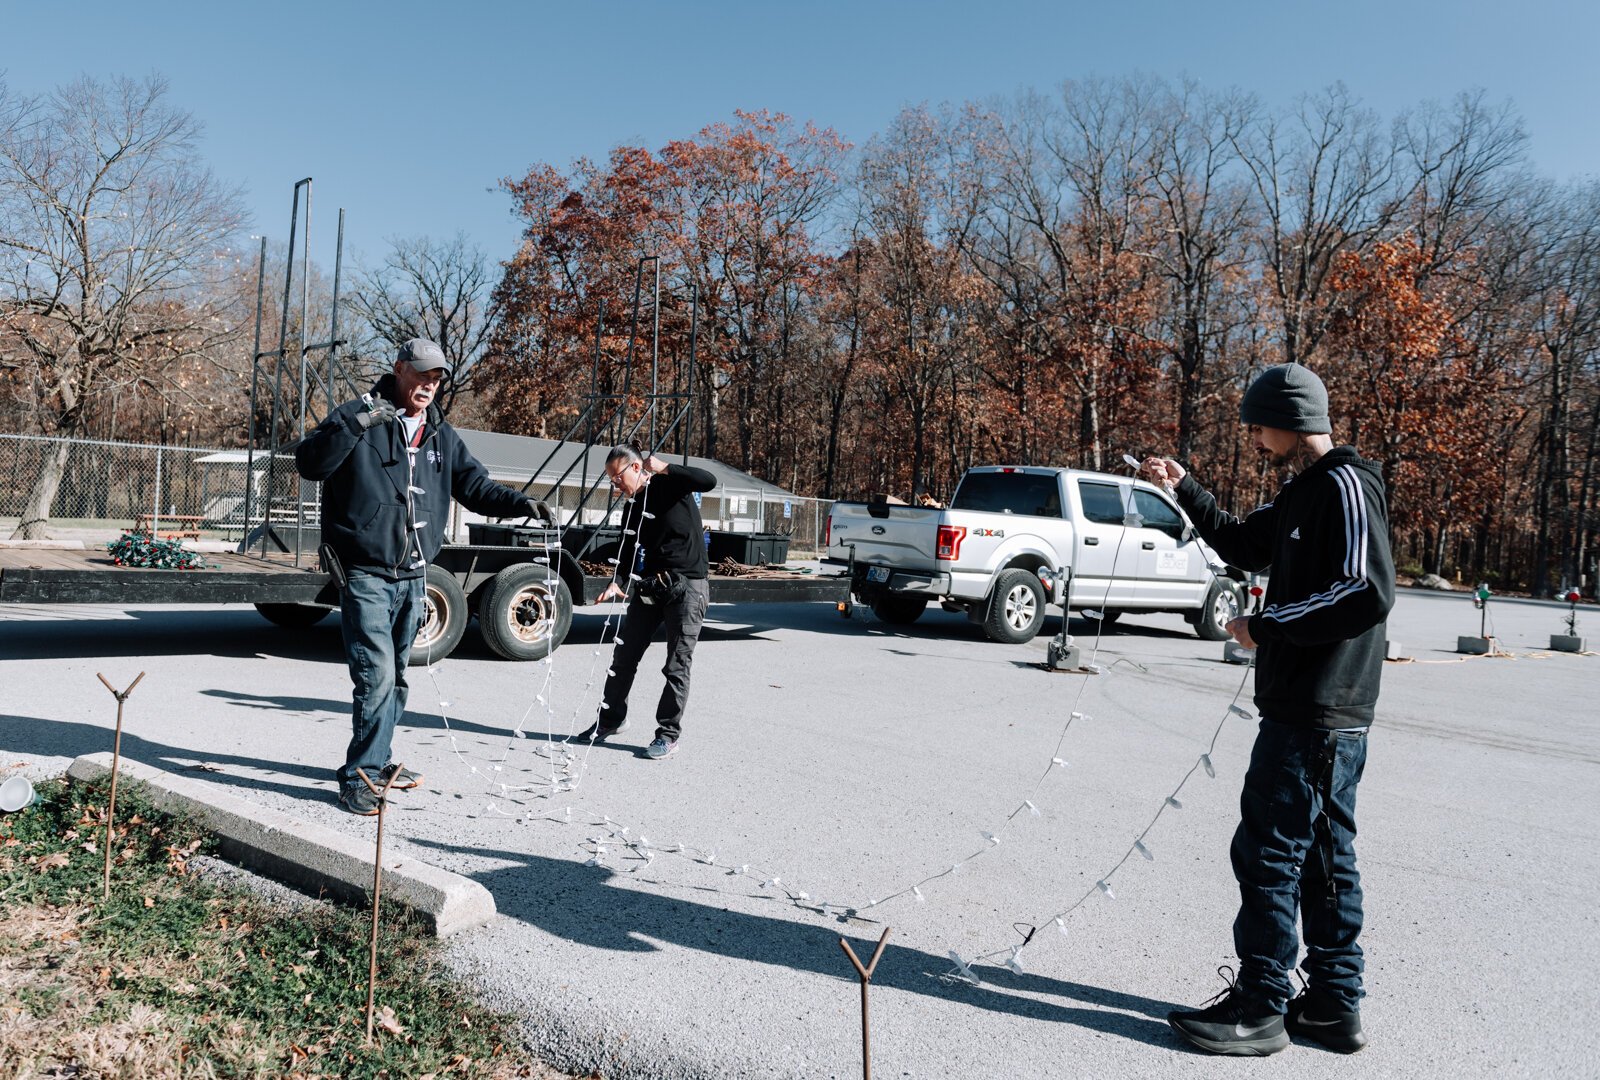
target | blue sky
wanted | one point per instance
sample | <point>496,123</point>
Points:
<point>407,114</point>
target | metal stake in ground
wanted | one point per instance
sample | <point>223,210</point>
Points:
<point>116,756</point>
<point>377,886</point>
<point>866,979</point>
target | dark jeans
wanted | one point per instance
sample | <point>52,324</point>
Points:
<point>1295,850</point>
<point>682,619</point>
<point>379,618</point>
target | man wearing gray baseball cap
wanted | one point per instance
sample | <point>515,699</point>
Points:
<point>1319,644</point>
<point>390,464</point>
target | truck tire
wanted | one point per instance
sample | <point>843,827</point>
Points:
<point>1016,607</point>
<point>899,609</point>
<point>1222,603</point>
<point>444,619</point>
<point>525,613</point>
<point>293,616</point>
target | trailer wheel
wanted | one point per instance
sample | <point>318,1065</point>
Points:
<point>898,609</point>
<point>525,613</point>
<point>1016,607</point>
<point>444,618</point>
<point>293,616</point>
<point>1210,622</point>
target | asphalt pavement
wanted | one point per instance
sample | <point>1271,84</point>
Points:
<point>849,760</point>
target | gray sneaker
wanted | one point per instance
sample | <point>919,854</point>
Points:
<point>359,800</point>
<point>599,732</point>
<point>661,747</point>
<point>404,778</point>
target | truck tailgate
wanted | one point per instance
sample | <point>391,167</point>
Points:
<point>904,538</point>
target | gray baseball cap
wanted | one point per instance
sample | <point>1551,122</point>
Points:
<point>423,356</point>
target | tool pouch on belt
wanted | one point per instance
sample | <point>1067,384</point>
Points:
<point>331,565</point>
<point>663,588</point>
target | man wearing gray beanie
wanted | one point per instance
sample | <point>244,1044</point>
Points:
<point>1319,644</point>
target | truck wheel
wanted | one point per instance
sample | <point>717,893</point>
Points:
<point>293,616</point>
<point>1222,604</point>
<point>900,610</point>
<point>525,613</point>
<point>1016,607</point>
<point>444,619</point>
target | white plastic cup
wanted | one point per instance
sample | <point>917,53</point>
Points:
<point>15,794</point>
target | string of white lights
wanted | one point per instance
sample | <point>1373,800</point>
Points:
<point>614,836</point>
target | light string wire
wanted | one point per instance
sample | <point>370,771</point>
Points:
<point>614,834</point>
<point>565,773</point>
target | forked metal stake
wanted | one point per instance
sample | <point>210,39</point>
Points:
<point>866,979</point>
<point>116,757</point>
<point>377,885</point>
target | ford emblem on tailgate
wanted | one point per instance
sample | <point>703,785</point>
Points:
<point>877,530</point>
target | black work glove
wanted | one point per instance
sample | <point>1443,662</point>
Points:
<point>536,508</point>
<point>380,410</point>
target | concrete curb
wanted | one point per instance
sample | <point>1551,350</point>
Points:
<point>311,857</point>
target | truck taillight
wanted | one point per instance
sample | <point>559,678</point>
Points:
<point>949,542</point>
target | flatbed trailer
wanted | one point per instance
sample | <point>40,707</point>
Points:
<point>523,596</point>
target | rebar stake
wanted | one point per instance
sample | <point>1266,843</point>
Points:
<point>116,756</point>
<point>377,886</point>
<point>866,979</point>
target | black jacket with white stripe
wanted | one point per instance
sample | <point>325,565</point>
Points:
<point>1320,636</point>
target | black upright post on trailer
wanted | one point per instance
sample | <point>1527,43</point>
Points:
<point>633,333</point>
<point>328,381</point>
<point>688,393</point>
<point>277,388</point>
<point>255,380</point>
<point>655,352</point>
<point>300,417</point>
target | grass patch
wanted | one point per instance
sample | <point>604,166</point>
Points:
<point>176,976</point>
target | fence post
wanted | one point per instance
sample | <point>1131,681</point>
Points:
<point>155,519</point>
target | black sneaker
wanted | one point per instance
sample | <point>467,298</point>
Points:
<point>404,778</point>
<point>1325,1020</point>
<point>359,800</point>
<point>1235,1024</point>
<point>599,732</point>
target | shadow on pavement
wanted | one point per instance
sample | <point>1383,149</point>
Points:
<point>578,903</point>
<point>33,736</point>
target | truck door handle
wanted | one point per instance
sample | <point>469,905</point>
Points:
<point>1091,541</point>
<point>1149,545</point>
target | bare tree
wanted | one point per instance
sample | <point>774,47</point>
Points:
<point>439,290</point>
<point>112,252</point>
<point>1324,181</point>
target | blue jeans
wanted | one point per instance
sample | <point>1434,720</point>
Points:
<point>379,618</point>
<point>1295,851</point>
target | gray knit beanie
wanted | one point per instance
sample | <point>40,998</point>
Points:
<point>1289,397</point>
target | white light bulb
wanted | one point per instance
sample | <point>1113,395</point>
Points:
<point>1138,845</point>
<point>1240,710</point>
<point>918,894</point>
<point>1015,960</point>
<point>991,837</point>
<point>1105,887</point>
<point>1091,613</point>
<point>1205,763</point>
<point>1061,925</point>
<point>1172,801</point>
<point>1032,809</point>
<point>444,704</point>
<point>1062,762</point>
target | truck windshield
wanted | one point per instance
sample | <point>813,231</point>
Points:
<point>1009,493</point>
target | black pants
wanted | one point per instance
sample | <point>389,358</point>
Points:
<point>682,619</point>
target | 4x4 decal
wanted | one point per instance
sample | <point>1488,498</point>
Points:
<point>996,533</point>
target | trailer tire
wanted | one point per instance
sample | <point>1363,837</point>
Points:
<point>293,616</point>
<point>1016,607</point>
<point>444,618</point>
<point>525,612</point>
<point>1222,603</point>
<point>898,609</point>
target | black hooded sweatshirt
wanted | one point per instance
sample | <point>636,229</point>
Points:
<point>1320,636</point>
<point>386,510</point>
<point>673,535</point>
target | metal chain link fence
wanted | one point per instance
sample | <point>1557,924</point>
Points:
<point>201,492</point>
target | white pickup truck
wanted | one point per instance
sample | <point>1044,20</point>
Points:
<point>1016,538</point>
